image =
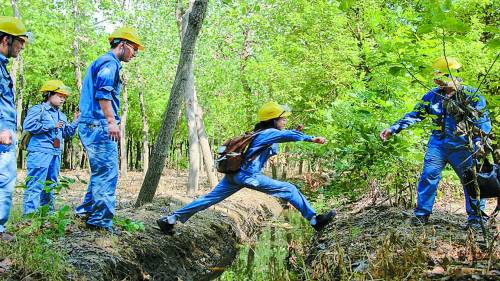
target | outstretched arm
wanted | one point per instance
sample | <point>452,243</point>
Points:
<point>418,114</point>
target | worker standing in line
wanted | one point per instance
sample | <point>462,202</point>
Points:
<point>48,127</point>
<point>99,129</point>
<point>13,37</point>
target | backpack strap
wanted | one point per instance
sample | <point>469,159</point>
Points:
<point>259,151</point>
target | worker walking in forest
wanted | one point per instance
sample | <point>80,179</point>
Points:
<point>446,144</point>
<point>269,132</point>
<point>13,36</point>
<point>99,130</point>
<point>48,127</point>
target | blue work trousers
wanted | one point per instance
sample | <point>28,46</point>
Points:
<point>7,180</point>
<point>99,201</point>
<point>232,183</point>
<point>436,158</point>
<point>42,168</point>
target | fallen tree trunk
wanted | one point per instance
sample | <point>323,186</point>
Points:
<point>200,250</point>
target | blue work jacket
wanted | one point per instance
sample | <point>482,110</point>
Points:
<point>445,124</point>
<point>101,82</point>
<point>8,112</point>
<point>41,122</point>
<point>265,145</point>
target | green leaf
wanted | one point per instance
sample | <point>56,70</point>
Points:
<point>396,70</point>
<point>346,5</point>
<point>493,44</point>
<point>425,28</point>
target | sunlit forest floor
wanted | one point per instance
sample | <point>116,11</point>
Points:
<point>379,241</point>
<point>370,240</point>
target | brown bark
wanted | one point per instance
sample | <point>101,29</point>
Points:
<point>190,96</point>
<point>18,65</point>
<point>145,129</point>
<point>123,124</point>
<point>208,158</point>
<point>138,155</point>
<point>163,142</point>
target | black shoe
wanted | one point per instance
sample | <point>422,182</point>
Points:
<point>110,230</point>
<point>324,219</point>
<point>420,220</point>
<point>83,217</point>
<point>166,227</point>
<point>474,224</point>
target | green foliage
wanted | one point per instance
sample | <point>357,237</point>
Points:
<point>34,250</point>
<point>128,224</point>
<point>277,254</point>
<point>347,68</point>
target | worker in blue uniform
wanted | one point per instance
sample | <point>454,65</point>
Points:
<point>99,130</point>
<point>446,144</point>
<point>271,131</point>
<point>48,127</point>
<point>13,36</point>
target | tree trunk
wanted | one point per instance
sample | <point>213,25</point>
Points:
<point>194,144</point>
<point>83,159</point>
<point>130,153</point>
<point>244,56</point>
<point>189,95</point>
<point>145,130</point>
<point>164,139</point>
<point>19,117</point>
<point>137,155</point>
<point>17,64</point>
<point>123,124</point>
<point>208,158</point>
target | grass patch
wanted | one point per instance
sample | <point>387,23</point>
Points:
<point>276,254</point>
<point>33,254</point>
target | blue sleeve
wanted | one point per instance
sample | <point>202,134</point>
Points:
<point>105,81</point>
<point>69,130</point>
<point>33,121</point>
<point>271,136</point>
<point>482,121</point>
<point>418,114</point>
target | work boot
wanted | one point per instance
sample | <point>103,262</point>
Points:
<point>323,220</point>
<point>420,220</point>
<point>6,237</point>
<point>166,227</point>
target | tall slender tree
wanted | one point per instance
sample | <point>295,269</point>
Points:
<point>164,139</point>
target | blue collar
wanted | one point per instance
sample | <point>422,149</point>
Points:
<point>47,106</point>
<point>3,59</point>
<point>114,57</point>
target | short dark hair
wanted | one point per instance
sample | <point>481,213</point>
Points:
<point>115,42</point>
<point>47,95</point>
<point>2,35</point>
<point>262,125</point>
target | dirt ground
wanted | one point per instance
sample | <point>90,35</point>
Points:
<point>372,240</point>
<point>200,249</point>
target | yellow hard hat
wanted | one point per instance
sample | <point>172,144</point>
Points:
<point>13,26</point>
<point>442,64</point>
<point>127,33</point>
<point>444,67</point>
<point>56,86</point>
<point>271,110</point>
